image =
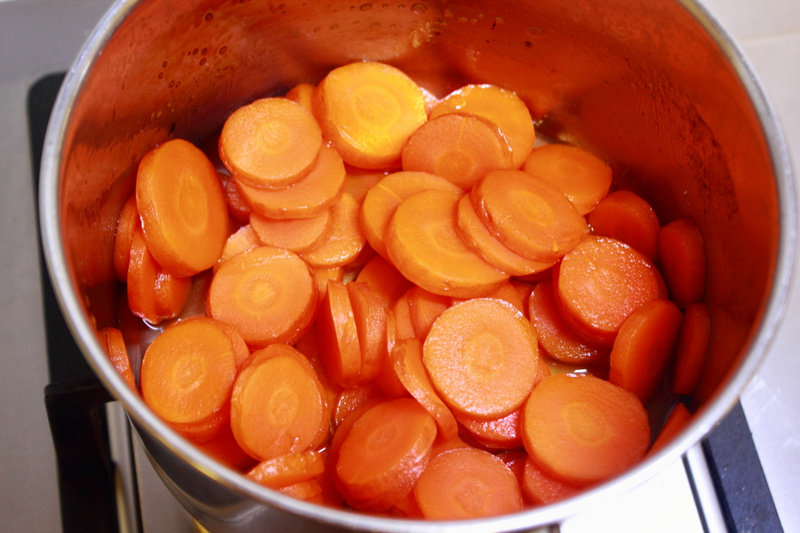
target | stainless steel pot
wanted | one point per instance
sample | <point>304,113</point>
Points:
<point>655,87</point>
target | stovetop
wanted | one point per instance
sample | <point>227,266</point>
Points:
<point>719,484</point>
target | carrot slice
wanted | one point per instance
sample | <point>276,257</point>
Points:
<point>302,93</point>
<point>243,239</point>
<point>627,217</point>
<point>296,234</point>
<point>540,488</point>
<point>317,190</point>
<point>424,308</point>
<point>582,176</point>
<point>530,216</point>
<point>277,404</point>
<point>324,274</point>
<point>478,238</point>
<point>358,181</point>
<point>382,199</point>
<point>644,346</point>
<point>384,279</point>
<point>458,147</point>
<point>351,399</point>
<point>182,207</point>
<point>501,433</point>
<point>153,295</point>
<point>500,106</point>
<point>677,420</point>
<point>288,469</point>
<point>187,376</point>
<point>466,483</point>
<point>343,241</point>
<point>407,361</point>
<point>113,342</point>
<point>383,454</point>
<point>126,224</point>
<point>370,317</point>
<point>237,206</point>
<point>692,349</point>
<point>683,260</point>
<point>599,283</point>
<point>583,430</point>
<point>422,243</point>
<point>482,357</point>
<point>270,143</point>
<point>369,109</point>
<point>340,351</point>
<point>224,449</point>
<point>555,336</point>
<point>267,294</point>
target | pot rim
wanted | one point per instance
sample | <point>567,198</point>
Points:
<point>143,418</point>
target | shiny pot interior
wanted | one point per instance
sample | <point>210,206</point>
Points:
<point>654,87</point>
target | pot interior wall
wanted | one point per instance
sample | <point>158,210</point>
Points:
<point>638,82</point>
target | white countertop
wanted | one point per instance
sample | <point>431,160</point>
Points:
<point>43,36</point>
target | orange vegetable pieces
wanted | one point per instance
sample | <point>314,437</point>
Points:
<point>382,200</point>
<point>556,337</point>
<point>288,469</point>
<point>112,341</point>
<point>692,349</point>
<point>383,454</point>
<point>424,308</point>
<point>243,239</point>
<point>478,238</point>
<point>278,404</point>
<point>295,234</point>
<point>458,147</point>
<point>407,362</point>
<point>584,430</point>
<point>126,224</point>
<point>644,346</point>
<point>530,216</point>
<point>677,420</point>
<point>369,314</point>
<point>369,109</point>
<point>500,433</point>
<point>351,400</point>
<point>343,241</point>
<point>599,283</point>
<point>499,106</point>
<point>270,143</point>
<point>182,208</point>
<point>422,243</point>
<point>540,488</point>
<point>340,351</point>
<point>153,295</point>
<point>359,181</point>
<point>238,209</point>
<point>627,217</point>
<point>302,93</point>
<point>582,176</point>
<point>187,375</point>
<point>318,189</point>
<point>384,279</point>
<point>683,261</point>
<point>267,294</point>
<point>482,357</point>
<point>466,483</point>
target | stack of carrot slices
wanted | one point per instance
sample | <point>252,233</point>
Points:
<point>371,298</point>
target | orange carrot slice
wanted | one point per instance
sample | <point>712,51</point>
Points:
<point>683,260</point>
<point>187,376</point>
<point>530,216</point>
<point>370,317</point>
<point>384,279</point>
<point>500,433</point>
<point>383,454</point>
<point>112,341</point>
<point>627,217</point>
<point>644,347</point>
<point>540,488</point>
<point>583,430</point>
<point>424,308</point>
<point>582,176</point>
<point>601,282</point>
<point>482,357</point>
<point>243,239</point>
<point>267,294</point>
<point>343,241</point>
<point>359,181</point>
<point>288,469</point>
<point>501,107</point>
<point>382,200</point>
<point>458,147</point>
<point>237,206</point>
<point>296,234</point>
<point>466,483</point>
<point>126,224</point>
<point>182,208</point>
<point>692,349</point>
<point>302,93</point>
<point>340,351</point>
<point>270,143</point>
<point>369,109</point>
<point>422,243</point>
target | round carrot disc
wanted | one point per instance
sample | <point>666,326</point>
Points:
<point>482,357</point>
<point>267,294</point>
